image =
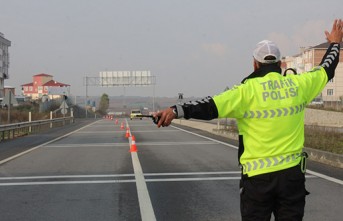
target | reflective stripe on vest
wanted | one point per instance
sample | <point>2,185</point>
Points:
<point>268,162</point>
<point>278,112</point>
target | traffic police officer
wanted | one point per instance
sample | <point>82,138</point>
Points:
<point>269,109</point>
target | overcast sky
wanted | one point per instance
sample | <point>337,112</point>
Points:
<point>197,47</point>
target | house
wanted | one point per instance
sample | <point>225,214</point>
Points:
<point>43,84</point>
<point>307,59</point>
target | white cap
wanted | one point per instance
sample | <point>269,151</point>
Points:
<point>266,48</point>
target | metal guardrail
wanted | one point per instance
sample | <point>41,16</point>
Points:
<point>11,131</point>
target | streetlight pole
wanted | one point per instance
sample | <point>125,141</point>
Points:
<point>86,100</point>
<point>153,98</point>
<point>180,98</point>
<point>9,107</point>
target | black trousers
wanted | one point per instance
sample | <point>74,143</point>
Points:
<point>281,193</point>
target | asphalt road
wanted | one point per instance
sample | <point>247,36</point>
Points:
<point>177,174</point>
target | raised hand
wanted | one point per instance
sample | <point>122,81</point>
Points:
<point>336,34</point>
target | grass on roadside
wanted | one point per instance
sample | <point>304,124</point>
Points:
<point>315,137</point>
<point>324,140</point>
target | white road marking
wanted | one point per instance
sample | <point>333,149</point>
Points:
<point>118,175</point>
<point>36,147</point>
<point>65,176</point>
<point>200,179</point>
<point>145,205</point>
<point>153,131</point>
<point>66,182</point>
<point>104,125</point>
<point>89,145</point>
<point>192,179</point>
<point>314,174</point>
<point>99,132</point>
<point>192,173</point>
<point>125,144</point>
<point>323,176</point>
<point>144,125</point>
<point>217,141</point>
<point>176,143</point>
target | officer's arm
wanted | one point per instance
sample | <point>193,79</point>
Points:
<point>227,104</point>
<point>331,57</point>
<point>330,60</point>
<point>204,109</point>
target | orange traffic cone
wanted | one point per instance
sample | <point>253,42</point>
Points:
<point>133,144</point>
<point>122,126</point>
<point>127,135</point>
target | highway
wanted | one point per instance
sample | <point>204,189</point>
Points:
<point>176,174</point>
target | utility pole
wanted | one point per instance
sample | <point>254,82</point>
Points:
<point>9,107</point>
<point>153,98</point>
<point>86,100</point>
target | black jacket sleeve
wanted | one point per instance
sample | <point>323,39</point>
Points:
<point>331,59</point>
<point>204,109</point>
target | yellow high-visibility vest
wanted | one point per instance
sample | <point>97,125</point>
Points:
<point>270,117</point>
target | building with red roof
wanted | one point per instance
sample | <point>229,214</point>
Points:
<point>44,84</point>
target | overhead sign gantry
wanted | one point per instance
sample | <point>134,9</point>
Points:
<point>123,79</point>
